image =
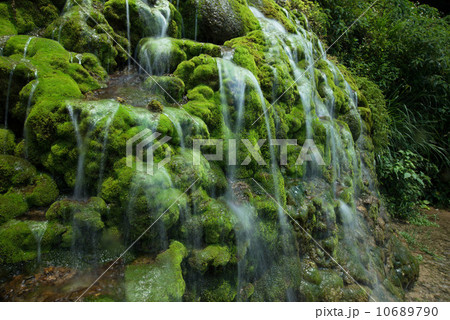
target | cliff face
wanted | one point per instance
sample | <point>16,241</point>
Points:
<point>298,222</point>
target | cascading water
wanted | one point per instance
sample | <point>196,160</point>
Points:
<point>154,52</point>
<point>26,47</point>
<point>345,162</point>
<point>38,229</point>
<point>80,167</point>
<point>95,116</point>
<point>128,34</point>
<point>235,82</point>
<point>104,148</point>
<point>30,100</point>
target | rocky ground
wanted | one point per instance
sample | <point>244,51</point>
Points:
<point>432,243</point>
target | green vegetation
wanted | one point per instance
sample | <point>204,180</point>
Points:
<point>413,71</point>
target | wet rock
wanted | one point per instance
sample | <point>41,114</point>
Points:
<point>155,106</point>
<point>217,20</point>
<point>161,280</point>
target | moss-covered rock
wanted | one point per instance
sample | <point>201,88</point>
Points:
<point>76,31</point>
<point>161,280</point>
<point>7,26</point>
<point>26,16</point>
<point>7,142</point>
<point>171,88</point>
<point>217,20</point>
<point>220,291</point>
<point>214,255</point>
<point>406,266</point>
<point>12,205</point>
<point>89,212</point>
<point>280,283</point>
<point>19,244</point>
<point>199,70</point>
<point>43,192</point>
<point>330,286</point>
<point>15,172</point>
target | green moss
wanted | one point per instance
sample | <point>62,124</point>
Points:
<point>89,212</point>
<point>12,205</point>
<point>221,291</point>
<point>161,280</point>
<point>7,142</point>
<point>17,243</point>
<point>354,293</point>
<point>214,255</point>
<point>406,266</point>
<point>171,88</point>
<point>330,286</point>
<point>281,278</point>
<point>272,10</point>
<point>76,32</point>
<point>7,26</point>
<point>378,116</point>
<point>43,193</point>
<point>15,172</point>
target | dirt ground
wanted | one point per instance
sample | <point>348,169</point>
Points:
<point>432,243</point>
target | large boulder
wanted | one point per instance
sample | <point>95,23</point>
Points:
<point>217,21</point>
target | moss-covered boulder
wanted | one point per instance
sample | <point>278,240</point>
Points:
<point>171,88</point>
<point>161,280</point>
<point>7,25</point>
<point>217,20</point>
<point>21,179</point>
<point>25,16</point>
<point>12,205</point>
<point>15,172</point>
<point>7,142</point>
<point>18,243</point>
<point>86,30</point>
<point>88,213</point>
<point>406,266</point>
<point>199,70</point>
<point>214,256</point>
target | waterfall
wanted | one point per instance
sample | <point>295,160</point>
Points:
<point>26,47</point>
<point>154,55</point>
<point>104,147</point>
<point>235,82</point>
<point>79,58</point>
<point>8,92</point>
<point>79,182</point>
<point>128,34</point>
<point>95,115</point>
<point>176,123</point>
<point>38,229</point>
<point>30,100</point>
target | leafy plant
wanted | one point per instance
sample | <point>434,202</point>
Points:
<point>404,181</point>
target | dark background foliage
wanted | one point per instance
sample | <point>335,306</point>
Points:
<point>403,47</point>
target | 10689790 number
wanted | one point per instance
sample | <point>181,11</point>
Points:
<point>407,311</point>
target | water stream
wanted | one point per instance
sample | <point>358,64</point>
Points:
<point>30,100</point>
<point>38,229</point>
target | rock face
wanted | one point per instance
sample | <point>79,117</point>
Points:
<point>77,149</point>
<point>217,21</point>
